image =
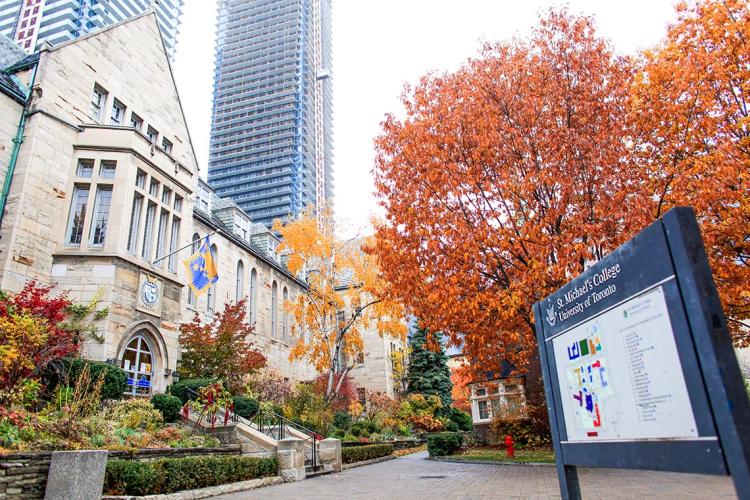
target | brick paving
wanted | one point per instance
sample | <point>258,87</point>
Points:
<point>416,477</point>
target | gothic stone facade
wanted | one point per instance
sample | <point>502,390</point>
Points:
<point>106,182</point>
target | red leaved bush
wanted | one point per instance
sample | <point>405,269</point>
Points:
<point>220,348</point>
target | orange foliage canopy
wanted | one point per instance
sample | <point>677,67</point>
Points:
<point>508,176</point>
<point>692,112</point>
<point>503,180</point>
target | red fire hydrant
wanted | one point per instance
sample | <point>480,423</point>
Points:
<point>509,446</point>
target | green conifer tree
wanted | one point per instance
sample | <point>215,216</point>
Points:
<point>428,370</point>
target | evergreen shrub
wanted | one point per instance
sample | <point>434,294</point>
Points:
<point>444,443</point>
<point>181,389</point>
<point>129,477</point>
<point>245,407</point>
<point>462,420</point>
<point>67,371</point>
<point>351,454</point>
<point>169,406</point>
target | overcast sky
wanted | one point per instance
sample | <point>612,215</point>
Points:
<point>380,45</point>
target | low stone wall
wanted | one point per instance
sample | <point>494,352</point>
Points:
<point>397,445</point>
<point>155,453</point>
<point>485,435</point>
<point>24,475</point>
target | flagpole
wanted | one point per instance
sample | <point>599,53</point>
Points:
<point>183,248</point>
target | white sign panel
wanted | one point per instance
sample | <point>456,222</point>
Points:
<point>620,375</point>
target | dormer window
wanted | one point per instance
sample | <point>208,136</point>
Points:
<point>118,113</point>
<point>152,134</point>
<point>136,121</point>
<point>98,98</point>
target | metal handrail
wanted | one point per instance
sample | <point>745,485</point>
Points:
<point>277,429</point>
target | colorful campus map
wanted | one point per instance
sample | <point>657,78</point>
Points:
<point>588,379</point>
<point>620,375</point>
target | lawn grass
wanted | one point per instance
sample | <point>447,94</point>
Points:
<point>499,455</point>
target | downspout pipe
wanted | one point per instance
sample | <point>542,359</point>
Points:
<point>17,141</point>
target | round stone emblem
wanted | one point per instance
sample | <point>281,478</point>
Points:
<point>150,293</point>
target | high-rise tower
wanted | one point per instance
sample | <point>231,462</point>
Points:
<point>32,22</point>
<point>271,129</point>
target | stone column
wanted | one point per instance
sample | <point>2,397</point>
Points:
<point>330,454</point>
<point>291,457</point>
<point>76,475</point>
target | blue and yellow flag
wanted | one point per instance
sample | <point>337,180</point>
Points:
<point>201,268</point>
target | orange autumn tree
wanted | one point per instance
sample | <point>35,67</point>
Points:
<point>344,297</point>
<point>504,179</point>
<point>691,107</point>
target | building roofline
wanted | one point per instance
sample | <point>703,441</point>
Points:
<point>148,12</point>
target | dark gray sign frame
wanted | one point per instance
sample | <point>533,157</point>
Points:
<point>669,253</point>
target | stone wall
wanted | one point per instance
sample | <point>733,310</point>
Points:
<point>24,475</point>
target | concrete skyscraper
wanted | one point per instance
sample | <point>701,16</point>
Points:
<point>32,22</point>
<point>271,129</point>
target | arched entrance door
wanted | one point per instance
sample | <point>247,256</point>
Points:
<point>138,363</point>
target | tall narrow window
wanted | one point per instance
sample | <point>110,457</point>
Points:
<point>148,231</point>
<point>162,236</point>
<point>240,284</point>
<point>98,98</point>
<point>192,299</point>
<point>285,316</point>
<point>173,240</point>
<point>118,113</point>
<point>253,296</point>
<point>101,215</point>
<point>140,179</point>
<point>274,308</point>
<point>135,222</point>
<point>77,215</point>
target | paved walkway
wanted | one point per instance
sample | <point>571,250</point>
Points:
<point>416,477</point>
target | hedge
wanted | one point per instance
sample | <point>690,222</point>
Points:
<point>245,407</point>
<point>353,454</point>
<point>169,406</point>
<point>67,371</point>
<point>131,477</point>
<point>180,389</point>
<point>444,443</point>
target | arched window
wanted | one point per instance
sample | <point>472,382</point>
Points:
<point>240,282</point>
<point>211,302</point>
<point>137,361</point>
<point>285,316</point>
<point>274,308</point>
<point>192,299</point>
<point>253,296</point>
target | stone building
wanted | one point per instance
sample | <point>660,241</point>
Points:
<point>104,185</point>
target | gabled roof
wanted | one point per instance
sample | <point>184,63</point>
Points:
<point>148,12</point>
<point>10,53</point>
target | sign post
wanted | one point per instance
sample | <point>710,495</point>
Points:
<point>639,369</point>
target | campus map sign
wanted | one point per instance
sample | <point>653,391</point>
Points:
<point>631,352</point>
<point>621,377</point>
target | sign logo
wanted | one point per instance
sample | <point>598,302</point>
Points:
<point>551,318</point>
<point>150,291</point>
